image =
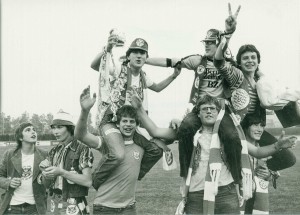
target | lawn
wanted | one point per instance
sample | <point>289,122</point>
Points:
<point>158,192</point>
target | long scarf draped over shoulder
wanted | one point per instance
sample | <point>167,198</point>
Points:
<point>112,87</point>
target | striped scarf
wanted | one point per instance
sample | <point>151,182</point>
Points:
<point>214,163</point>
<point>261,194</point>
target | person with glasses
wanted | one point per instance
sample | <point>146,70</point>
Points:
<point>207,154</point>
<point>207,80</point>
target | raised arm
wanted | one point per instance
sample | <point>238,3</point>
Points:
<point>265,151</point>
<point>157,87</point>
<point>81,132</point>
<point>111,42</point>
<point>151,127</point>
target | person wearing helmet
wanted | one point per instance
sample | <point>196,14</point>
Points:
<point>69,169</point>
<point>20,175</point>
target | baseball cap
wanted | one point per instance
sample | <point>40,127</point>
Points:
<point>211,35</point>
<point>139,43</point>
<point>62,118</point>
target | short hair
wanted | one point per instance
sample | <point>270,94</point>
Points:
<point>127,111</point>
<point>18,132</point>
<point>206,99</point>
<point>70,128</point>
<point>252,119</point>
<point>247,48</point>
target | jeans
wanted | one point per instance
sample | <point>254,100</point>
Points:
<point>24,208</point>
<point>115,152</point>
<point>226,201</point>
<point>101,210</point>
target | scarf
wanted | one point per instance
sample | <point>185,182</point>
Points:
<point>260,195</point>
<point>112,88</point>
<point>214,163</point>
<point>245,163</point>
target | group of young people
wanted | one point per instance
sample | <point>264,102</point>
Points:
<point>224,151</point>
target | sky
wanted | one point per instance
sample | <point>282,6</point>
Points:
<point>47,46</point>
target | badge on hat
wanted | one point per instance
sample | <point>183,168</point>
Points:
<point>140,42</point>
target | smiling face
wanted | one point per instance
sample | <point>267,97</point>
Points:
<point>127,126</point>
<point>254,132</point>
<point>137,58</point>
<point>208,114</point>
<point>249,62</point>
<point>61,133</point>
<point>29,135</point>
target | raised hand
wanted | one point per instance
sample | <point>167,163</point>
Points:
<point>285,142</point>
<point>86,101</point>
<point>111,42</point>
<point>230,22</point>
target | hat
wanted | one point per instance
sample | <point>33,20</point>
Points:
<point>62,118</point>
<point>211,35</point>
<point>139,43</point>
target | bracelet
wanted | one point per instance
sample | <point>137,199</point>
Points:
<point>169,62</point>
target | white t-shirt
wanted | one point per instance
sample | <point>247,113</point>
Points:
<point>135,83</point>
<point>24,193</point>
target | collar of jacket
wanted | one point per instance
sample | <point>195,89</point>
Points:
<point>17,162</point>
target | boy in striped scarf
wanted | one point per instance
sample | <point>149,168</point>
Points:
<point>210,185</point>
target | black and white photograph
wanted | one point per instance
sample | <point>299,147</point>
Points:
<point>150,107</point>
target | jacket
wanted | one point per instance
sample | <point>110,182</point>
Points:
<point>11,167</point>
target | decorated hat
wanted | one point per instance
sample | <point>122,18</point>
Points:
<point>211,35</point>
<point>62,118</point>
<point>139,43</point>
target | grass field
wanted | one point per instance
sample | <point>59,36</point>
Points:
<point>158,192</point>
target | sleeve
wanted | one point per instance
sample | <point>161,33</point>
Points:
<point>272,97</point>
<point>191,62</point>
<point>148,80</point>
<point>4,181</point>
<point>86,158</point>
<point>232,75</point>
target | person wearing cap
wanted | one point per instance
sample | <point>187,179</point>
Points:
<point>130,75</point>
<point>69,169</point>
<point>210,151</point>
<point>116,195</point>
<point>207,81</point>
<point>20,175</point>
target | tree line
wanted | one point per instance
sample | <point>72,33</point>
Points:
<point>42,123</point>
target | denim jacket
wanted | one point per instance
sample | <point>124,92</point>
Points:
<point>11,167</point>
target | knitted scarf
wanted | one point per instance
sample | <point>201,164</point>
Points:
<point>214,163</point>
<point>112,88</point>
<point>261,195</point>
<point>245,162</point>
